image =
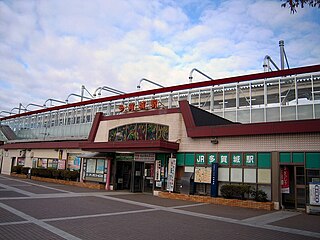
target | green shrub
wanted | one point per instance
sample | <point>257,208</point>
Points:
<point>56,173</point>
<point>259,196</point>
<point>16,169</point>
<point>74,175</point>
<point>25,170</point>
<point>235,191</point>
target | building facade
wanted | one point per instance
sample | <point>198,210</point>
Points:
<point>262,130</point>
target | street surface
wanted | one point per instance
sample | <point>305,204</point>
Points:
<point>37,210</point>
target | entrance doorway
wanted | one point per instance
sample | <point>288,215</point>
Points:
<point>294,195</point>
<point>123,175</point>
<point>148,177</point>
<point>134,176</point>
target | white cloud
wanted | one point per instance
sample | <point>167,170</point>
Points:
<point>48,49</point>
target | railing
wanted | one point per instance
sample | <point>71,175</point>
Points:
<point>247,99</point>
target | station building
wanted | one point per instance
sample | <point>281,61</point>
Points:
<point>261,129</point>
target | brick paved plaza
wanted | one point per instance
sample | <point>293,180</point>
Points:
<point>37,210</point>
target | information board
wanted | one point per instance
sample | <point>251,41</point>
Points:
<point>202,174</point>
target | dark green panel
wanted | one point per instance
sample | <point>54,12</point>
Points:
<point>264,160</point>
<point>189,159</point>
<point>180,159</point>
<point>285,157</point>
<point>298,157</point>
<point>162,157</point>
<point>313,160</point>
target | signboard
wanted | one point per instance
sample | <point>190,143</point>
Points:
<point>200,159</point>
<point>157,177</point>
<point>314,193</point>
<point>171,174</point>
<point>250,159</point>
<point>212,158</point>
<point>145,157</point>
<point>214,180</point>
<point>224,159</point>
<point>143,105</point>
<point>284,175</point>
<point>202,174</point>
<point>236,159</point>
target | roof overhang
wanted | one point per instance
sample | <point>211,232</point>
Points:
<point>43,145</point>
<point>237,129</point>
<point>131,146</point>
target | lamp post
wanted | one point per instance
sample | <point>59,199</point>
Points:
<point>194,69</point>
<point>108,89</point>
<point>147,80</point>
<point>77,95</point>
<point>52,100</point>
<point>83,88</point>
<point>32,104</point>
<point>5,112</point>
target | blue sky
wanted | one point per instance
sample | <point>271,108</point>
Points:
<point>49,49</point>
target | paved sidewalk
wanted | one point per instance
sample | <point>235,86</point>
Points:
<point>36,210</point>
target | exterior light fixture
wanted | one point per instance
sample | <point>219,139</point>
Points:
<point>147,80</point>
<point>52,100</point>
<point>214,141</point>
<point>194,69</point>
<point>108,89</point>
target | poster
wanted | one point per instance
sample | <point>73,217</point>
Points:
<point>61,164</point>
<point>171,174</point>
<point>100,166</point>
<point>285,180</point>
<point>73,161</point>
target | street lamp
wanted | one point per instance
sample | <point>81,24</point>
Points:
<point>32,104</point>
<point>83,88</point>
<point>52,100</point>
<point>5,112</point>
<point>76,95</point>
<point>108,89</point>
<point>147,80</point>
<point>194,69</point>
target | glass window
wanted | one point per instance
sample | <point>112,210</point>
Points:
<point>91,165</point>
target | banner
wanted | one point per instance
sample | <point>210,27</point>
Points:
<point>157,177</point>
<point>214,180</point>
<point>171,174</point>
<point>314,193</point>
<point>285,180</point>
